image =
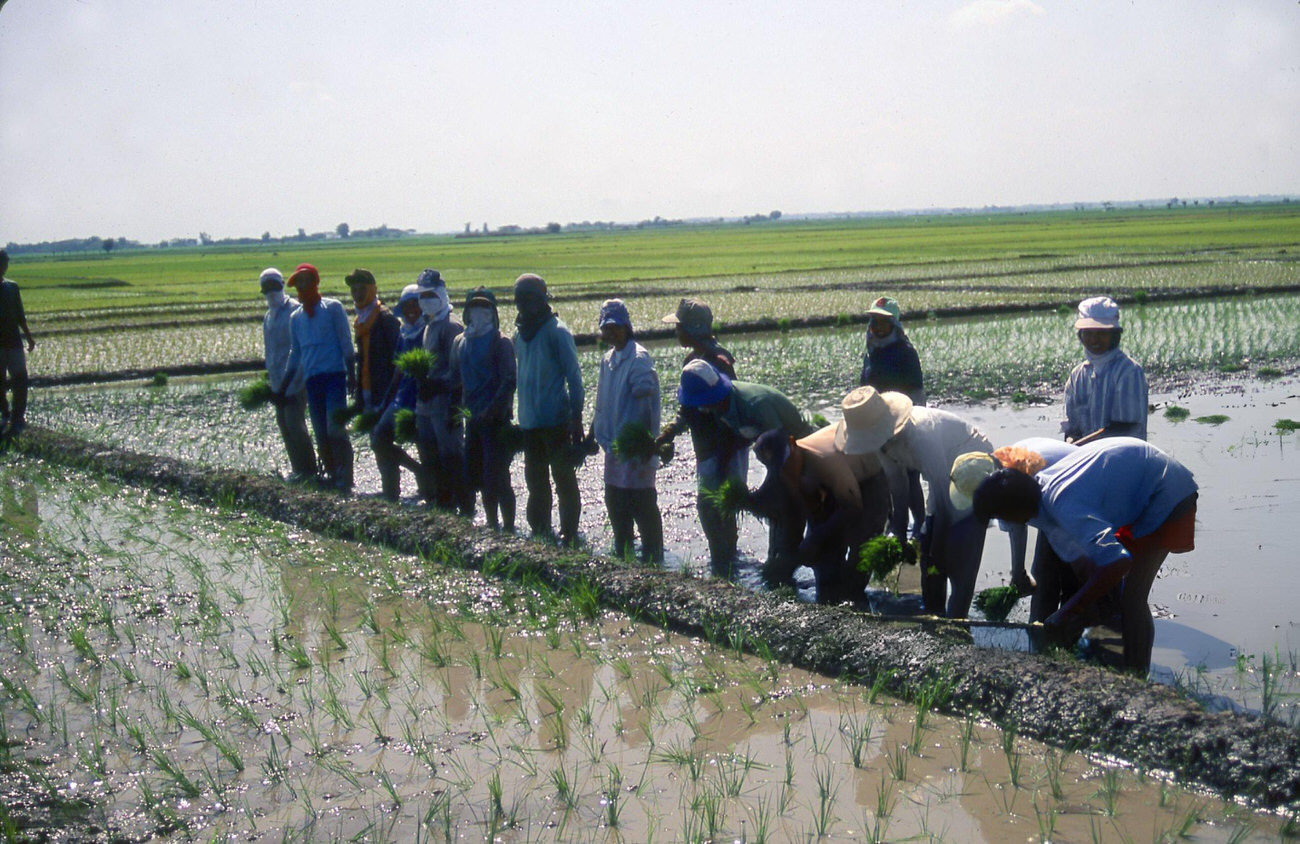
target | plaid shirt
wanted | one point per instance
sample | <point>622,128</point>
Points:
<point>1107,391</point>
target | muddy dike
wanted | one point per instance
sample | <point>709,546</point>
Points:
<point>1053,698</point>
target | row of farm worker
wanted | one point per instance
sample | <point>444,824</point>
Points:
<point>1108,506</point>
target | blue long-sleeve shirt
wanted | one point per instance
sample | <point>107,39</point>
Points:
<point>550,381</point>
<point>320,344</point>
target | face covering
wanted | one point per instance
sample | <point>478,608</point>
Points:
<point>274,299</point>
<point>436,307</point>
<point>478,322</point>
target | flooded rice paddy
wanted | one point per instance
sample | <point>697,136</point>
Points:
<point>172,671</point>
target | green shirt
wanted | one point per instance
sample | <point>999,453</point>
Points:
<point>755,408</point>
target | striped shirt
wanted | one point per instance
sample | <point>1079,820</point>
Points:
<point>1105,391</point>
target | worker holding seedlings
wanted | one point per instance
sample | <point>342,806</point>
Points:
<point>625,425</point>
<point>403,388</point>
<point>842,498</point>
<point>718,456</point>
<point>1113,510</point>
<point>438,419</point>
<point>1106,395</point>
<point>291,410</point>
<point>926,440</point>
<point>376,330</point>
<point>550,409</point>
<point>891,364</point>
<point>13,359</point>
<point>747,411</point>
<point>321,350</point>
<point>486,359</point>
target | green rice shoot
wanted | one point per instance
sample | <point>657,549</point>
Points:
<point>404,426</point>
<point>997,602</point>
<point>417,363</point>
<point>255,393</point>
<point>365,421</point>
<point>1286,426</point>
<point>881,556</point>
<point>634,442</point>
<point>343,415</point>
<point>1212,419</point>
<point>1174,413</point>
<point>728,498</point>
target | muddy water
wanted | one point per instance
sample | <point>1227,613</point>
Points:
<point>194,673</point>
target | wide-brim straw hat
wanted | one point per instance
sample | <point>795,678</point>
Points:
<point>871,419</point>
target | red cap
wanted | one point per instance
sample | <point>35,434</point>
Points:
<point>306,273</point>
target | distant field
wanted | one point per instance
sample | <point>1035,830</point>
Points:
<point>988,257</point>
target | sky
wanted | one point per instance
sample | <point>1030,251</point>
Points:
<point>155,119</point>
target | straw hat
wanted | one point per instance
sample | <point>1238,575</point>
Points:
<point>871,419</point>
<point>967,472</point>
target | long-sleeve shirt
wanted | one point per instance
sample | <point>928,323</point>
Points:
<point>755,408</point>
<point>320,344</point>
<point>627,390</point>
<point>709,439</point>
<point>487,375</point>
<point>277,342</point>
<point>894,367</point>
<point>12,317</point>
<point>933,440</point>
<point>1105,485</point>
<point>439,339</point>
<point>1107,391</point>
<point>550,380</point>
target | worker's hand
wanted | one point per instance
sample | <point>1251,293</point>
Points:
<point>665,451</point>
<point>31,343</point>
<point>576,435</point>
<point>1024,584</point>
<point>279,399</point>
<point>590,445</point>
<point>1063,628</point>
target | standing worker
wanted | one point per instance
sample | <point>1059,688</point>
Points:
<point>891,364</point>
<point>627,393</point>
<point>390,457</point>
<point>1106,395</point>
<point>718,457</point>
<point>321,349</point>
<point>438,427</point>
<point>550,409</point>
<point>13,360</point>
<point>487,373</point>
<point>291,411</point>
<point>376,330</point>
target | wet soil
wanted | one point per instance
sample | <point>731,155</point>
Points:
<point>1050,697</point>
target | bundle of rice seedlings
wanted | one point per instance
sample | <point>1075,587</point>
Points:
<point>880,556</point>
<point>819,421</point>
<point>255,393</point>
<point>159,380</point>
<point>417,363</point>
<point>404,426</point>
<point>728,498</point>
<point>634,442</point>
<point>365,421</point>
<point>344,414</point>
<point>997,602</point>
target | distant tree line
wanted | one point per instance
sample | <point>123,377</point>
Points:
<point>108,245</point>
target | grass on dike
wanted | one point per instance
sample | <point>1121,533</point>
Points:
<point>199,275</point>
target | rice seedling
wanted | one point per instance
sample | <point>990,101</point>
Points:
<point>1174,413</point>
<point>417,363</point>
<point>827,791</point>
<point>997,602</point>
<point>882,556</point>
<point>255,393</point>
<point>365,422</point>
<point>728,498</point>
<point>634,442</point>
<point>1286,426</point>
<point>1211,419</point>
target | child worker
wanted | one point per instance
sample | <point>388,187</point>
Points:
<point>628,404</point>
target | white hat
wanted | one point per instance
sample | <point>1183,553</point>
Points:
<point>871,419</point>
<point>1097,312</point>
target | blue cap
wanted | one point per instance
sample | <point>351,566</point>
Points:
<point>702,385</point>
<point>429,279</point>
<point>614,312</point>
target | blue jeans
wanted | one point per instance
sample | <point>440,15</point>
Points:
<point>327,397</point>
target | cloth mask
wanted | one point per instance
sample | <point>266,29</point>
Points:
<point>274,299</point>
<point>479,322</point>
<point>436,308</point>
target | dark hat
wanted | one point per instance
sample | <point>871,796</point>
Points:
<point>772,448</point>
<point>359,276</point>
<point>692,315</point>
<point>614,312</point>
<point>531,283</point>
<point>1003,490</point>
<point>429,279</point>
<point>481,297</point>
<point>270,279</point>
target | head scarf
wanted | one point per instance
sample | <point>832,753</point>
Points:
<point>306,279</point>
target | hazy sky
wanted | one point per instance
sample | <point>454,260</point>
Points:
<point>153,119</point>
